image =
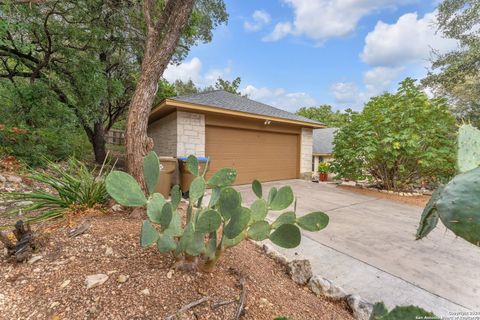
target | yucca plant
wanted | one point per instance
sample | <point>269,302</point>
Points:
<point>209,229</point>
<point>73,185</point>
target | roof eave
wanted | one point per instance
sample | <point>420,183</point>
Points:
<point>206,108</point>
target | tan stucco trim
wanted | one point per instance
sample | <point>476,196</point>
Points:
<point>323,154</point>
<point>204,108</point>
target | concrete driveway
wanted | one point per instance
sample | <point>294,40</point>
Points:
<point>369,248</point>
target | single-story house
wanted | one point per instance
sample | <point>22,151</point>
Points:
<point>262,142</point>
<point>322,147</point>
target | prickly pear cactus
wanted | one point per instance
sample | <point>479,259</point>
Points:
<point>468,148</point>
<point>223,223</point>
<point>457,204</point>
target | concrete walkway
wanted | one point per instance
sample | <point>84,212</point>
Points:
<point>369,248</point>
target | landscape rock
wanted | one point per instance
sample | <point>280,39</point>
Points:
<point>324,287</point>
<point>170,274</point>
<point>361,309</point>
<point>117,208</point>
<point>2,299</point>
<point>145,292</point>
<point>95,280</point>
<point>54,304</point>
<point>34,259</point>
<point>109,251</point>
<point>274,254</point>
<point>122,278</point>
<point>2,179</point>
<point>300,271</point>
<point>14,179</point>
<point>65,283</point>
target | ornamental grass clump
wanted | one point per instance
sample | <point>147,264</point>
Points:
<point>74,186</point>
<point>208,230</point>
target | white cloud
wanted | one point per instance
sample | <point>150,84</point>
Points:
<point>260,18</point>
<point>192,70</point>
<point>280,98</point>
<point>409,40</point>
<point>379,79</point>
<point>345,92</point>
<point>280,31</point>
<point>323,19</point>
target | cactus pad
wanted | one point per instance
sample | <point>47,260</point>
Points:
<point>282,199</point>
<point>468,141</point>
<point>192,164</point>
<point>149,234</point>
<point>229,201</point>
<point>208,221</point>
<point>314,221</point>
<point>151,171</point>
<point>124,189</point>
<point>257,188</point>
<point>259,210</point>
<point>154,207</point>
<point>286,236</point>
<point>238,222</point>
<point>197,189</point>
<point>284,218</point>
<point>223,178</point>
<point>459,206</point>
<point>259,231</point>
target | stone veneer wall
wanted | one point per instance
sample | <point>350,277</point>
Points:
<point>306,153</point>
<point>164,135</point>
<point>190,134</point>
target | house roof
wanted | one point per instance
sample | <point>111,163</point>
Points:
<point>229,101</point>
<point>323,140</point>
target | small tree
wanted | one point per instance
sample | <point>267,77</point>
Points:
<point>398,139</point>
<point>326,115</point>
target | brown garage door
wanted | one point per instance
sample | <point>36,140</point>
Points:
<point>265,156</point>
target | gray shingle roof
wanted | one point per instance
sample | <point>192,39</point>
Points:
<point>323,140</point>
<point>226,100</point>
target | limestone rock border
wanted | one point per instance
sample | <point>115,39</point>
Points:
<point>301,272</point>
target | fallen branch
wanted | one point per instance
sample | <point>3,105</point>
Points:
<point>222,303</point>
<point>241,302</point>
<point>79,229</point>
<point>187,307</point>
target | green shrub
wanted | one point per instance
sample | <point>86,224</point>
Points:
<point>398,139</point>
<point>74,185</point>
<point>380,312</point>
<point>209,230</point>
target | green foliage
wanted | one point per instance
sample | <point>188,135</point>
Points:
<point>457,204</point>
<point>398,139</point>
<point>229,86</point>
<point>324,167</point>
<point>74,185</point>
<point>327,116</point>
<point>455,74</point>
<point>380,312</point>
<point>209,231</point>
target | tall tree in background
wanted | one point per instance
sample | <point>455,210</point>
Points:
<point>165,22</point>
<point>83,51</point>
<point>456,75</point>
<point>327,116</point>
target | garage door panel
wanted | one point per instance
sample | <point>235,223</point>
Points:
<point>259,155</point>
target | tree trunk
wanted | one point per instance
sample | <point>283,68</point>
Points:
<point>98,143</point>
<point>158,52</point>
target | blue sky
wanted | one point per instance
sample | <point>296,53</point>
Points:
<point>294,53</point>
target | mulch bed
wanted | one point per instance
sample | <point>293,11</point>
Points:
<point>419,201</point>
<point>54,286</point>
